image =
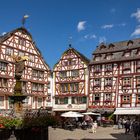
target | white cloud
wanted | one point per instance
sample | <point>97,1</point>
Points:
<point>88,36</point>
<point>3,33</point>
<point>136,15</point>
<point>81,25</point>
<point>107,26</point>
<point>136,32</point>
<point>102,39</point>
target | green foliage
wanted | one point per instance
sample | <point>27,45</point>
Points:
<point>39,121</point>
<point>9,122</point>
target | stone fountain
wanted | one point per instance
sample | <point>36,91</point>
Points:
<point>18,96</point>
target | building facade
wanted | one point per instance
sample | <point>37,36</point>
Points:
<point>36,76</point>
<point>70,82</point>
<point>114,80</point>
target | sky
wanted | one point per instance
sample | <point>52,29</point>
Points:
<point>54,24</point>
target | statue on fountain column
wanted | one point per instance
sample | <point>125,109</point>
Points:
<point>19,65</point>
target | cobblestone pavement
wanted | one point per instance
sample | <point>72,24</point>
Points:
<point>103,133</point>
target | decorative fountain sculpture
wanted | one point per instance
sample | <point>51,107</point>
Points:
<point>18,96</point>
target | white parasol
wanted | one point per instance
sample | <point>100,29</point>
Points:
<point>90,113</point>
<point>72,114</point>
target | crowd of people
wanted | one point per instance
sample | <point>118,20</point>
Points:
<point>84,123</point>
<point>131,126</point>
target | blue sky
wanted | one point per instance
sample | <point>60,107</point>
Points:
<point>83,23</point>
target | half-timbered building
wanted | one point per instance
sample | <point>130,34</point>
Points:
<point>114,80</point>
<point>70,82</point>
<point>36,75</point>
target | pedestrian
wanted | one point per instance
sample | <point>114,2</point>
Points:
<point>94,127</point>
<point>136,129</point>
<point>127,126</point>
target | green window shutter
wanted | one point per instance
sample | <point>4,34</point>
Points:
<point>66,100</point>
<point>84,99</point>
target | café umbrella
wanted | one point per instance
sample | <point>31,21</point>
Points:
<point>91,113</point>
<point>71,114</point>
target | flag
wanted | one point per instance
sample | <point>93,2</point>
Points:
<point>24,18</point>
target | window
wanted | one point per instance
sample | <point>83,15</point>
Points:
<point>97,82</point>
<point>20,53</point>
<point>97,97</point>
<point>37,87</point>
<point>70,87</point>
<point>108,82</point>
<point>39,102</point>
<point>108,67</point>
<point>79,100</point>
<point>97,68</point>
<point>9,51</point>
<point>63,74</point>
<point>75,73</point>
<point>74,87</point>
<point>22,42</point>
<point>64,88</point>
<point>31,58</point>
<point>69,62</point>
<point>126,65</point>
<point>126,98</point>
<point>127,81</point>
<point>3,82</point>
<point>1,100</point>
<point>37,74</point>
<point>3,66</point>
<point>61,100</point>
<point>40,87</point>
<point>107,97</point>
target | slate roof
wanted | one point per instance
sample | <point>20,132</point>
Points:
<point>117,50</point>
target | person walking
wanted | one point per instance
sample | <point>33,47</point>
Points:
<point>127,126</point>
<point>94,127</point>
<point>136,129</point>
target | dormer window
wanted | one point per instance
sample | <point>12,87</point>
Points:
<point>127,54</point>
<point>111,45</point>
<point>130,43</point>
<point>97,58</point>
<point>108,56</point>
<point>102,46</point>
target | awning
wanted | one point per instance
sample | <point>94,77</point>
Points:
<point>127,111</point>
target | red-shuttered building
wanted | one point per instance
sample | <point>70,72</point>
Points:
<point>114,78</point>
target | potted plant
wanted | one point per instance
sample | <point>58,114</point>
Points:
<point>35,126</point>
<point>6,126</point>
